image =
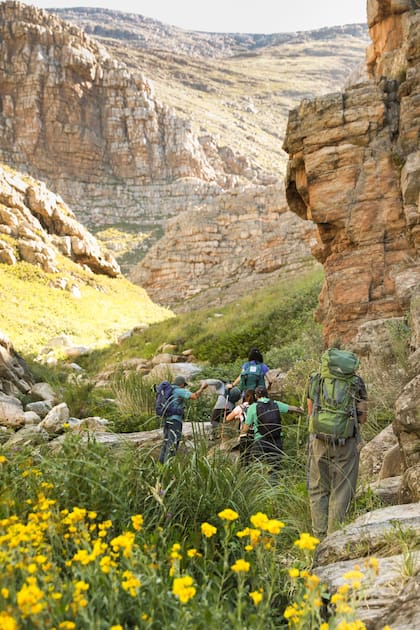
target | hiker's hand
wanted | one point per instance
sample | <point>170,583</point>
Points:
<point>298,410</point>
<point>203,385</point>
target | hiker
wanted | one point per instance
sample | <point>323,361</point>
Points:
<point>172,428</point>
<point>227,396</point>
<point>337,405</point>
<point>238,414</point>
<point>253,372</point>
<point>265,419</point>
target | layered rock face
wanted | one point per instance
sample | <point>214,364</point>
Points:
<point>354,164</point>
<point>219,251</point>
<point>36,226</point>
<point>77,118</point>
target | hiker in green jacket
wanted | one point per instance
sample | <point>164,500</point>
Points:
<point>264,418</point>
<point>337,404</point>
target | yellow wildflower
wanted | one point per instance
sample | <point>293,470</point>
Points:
<point>294,573</point>
<point>131,583</point>
<point>30,597</point>
<point>67,625</point>
<point>259,520</point>
<point>354,575</point>
<point>241,566</point>
<point>256,596</point>
<point>3,459</point>
<point>7,622</point>
<point>208,530</point>
<point>228,515</point>
<point>183,588</point>
<point>306,541</point>
<point>193,553</point>
<point>137,521</point>
<point>124,542</point>
<point>273,526</point>
<point>117,627</point>
<point>4,592</point>
<point>324,626</point>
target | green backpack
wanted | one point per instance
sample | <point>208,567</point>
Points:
<point>251,376</point>
<point>333,391</point>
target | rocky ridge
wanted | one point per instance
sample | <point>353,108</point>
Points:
<point>93,129</point>
<point>353,170</point>
<point>36,226</point>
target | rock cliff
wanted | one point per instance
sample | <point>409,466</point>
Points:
<point>353,170</point>
<point>36,226</point>
<point>91,127</point>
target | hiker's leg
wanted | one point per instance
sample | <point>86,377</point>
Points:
<point>216,419</point>
<point>245,445</point>
<point>172,437</point>
<point>318,486</point>
<point>164,449</point>
<point>344,480</point>
<point>273,452</point>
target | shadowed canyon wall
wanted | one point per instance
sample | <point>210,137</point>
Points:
<point>354,165</point>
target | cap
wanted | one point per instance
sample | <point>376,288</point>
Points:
<point>180,381</point>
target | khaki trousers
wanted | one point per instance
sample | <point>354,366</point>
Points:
<point>332,478</point>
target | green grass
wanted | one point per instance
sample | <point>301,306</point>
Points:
<point>277,319</point>
<point>33,310</point>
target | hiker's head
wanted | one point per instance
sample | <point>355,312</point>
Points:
<point>180,381</point>
<point>255,355</point>
<point>249,396</point>
<point>261,392</point>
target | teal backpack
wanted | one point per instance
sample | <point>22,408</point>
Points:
<point>333,391</point>
<point>251,376</point>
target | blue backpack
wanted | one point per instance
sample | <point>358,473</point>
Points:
<point>166,403</point>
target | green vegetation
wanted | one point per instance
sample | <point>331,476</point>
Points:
<point>93,541</point>
<point>34,309</point>
<point>108,538</point>
<point>277,319</point>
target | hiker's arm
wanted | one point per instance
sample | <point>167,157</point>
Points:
<point>310,404</point>
<point>195,395</point>
<point>232,415</point>
<point>236,381</point>
<point>362,408</point>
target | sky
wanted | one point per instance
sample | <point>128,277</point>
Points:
<point>235,16</point>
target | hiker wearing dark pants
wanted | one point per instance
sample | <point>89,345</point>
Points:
<point>337,404</point>
<point>172,428</point>
<point>264,418</point>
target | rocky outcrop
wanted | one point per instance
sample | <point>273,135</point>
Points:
<point>15,376</point>
<point>36,226</point>
<point>390,593</point>
<point>79,119</point>
<point>208,255</point>
<point>353,170</point>
<point>91,128</point>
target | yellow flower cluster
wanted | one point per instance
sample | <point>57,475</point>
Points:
<point>306,542</point>
<point>30,598</point>
<point>228,515</point>
<point>208,530</point>
<point>241,566</point>
<point>183,588</point>
<point>130,583</point>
